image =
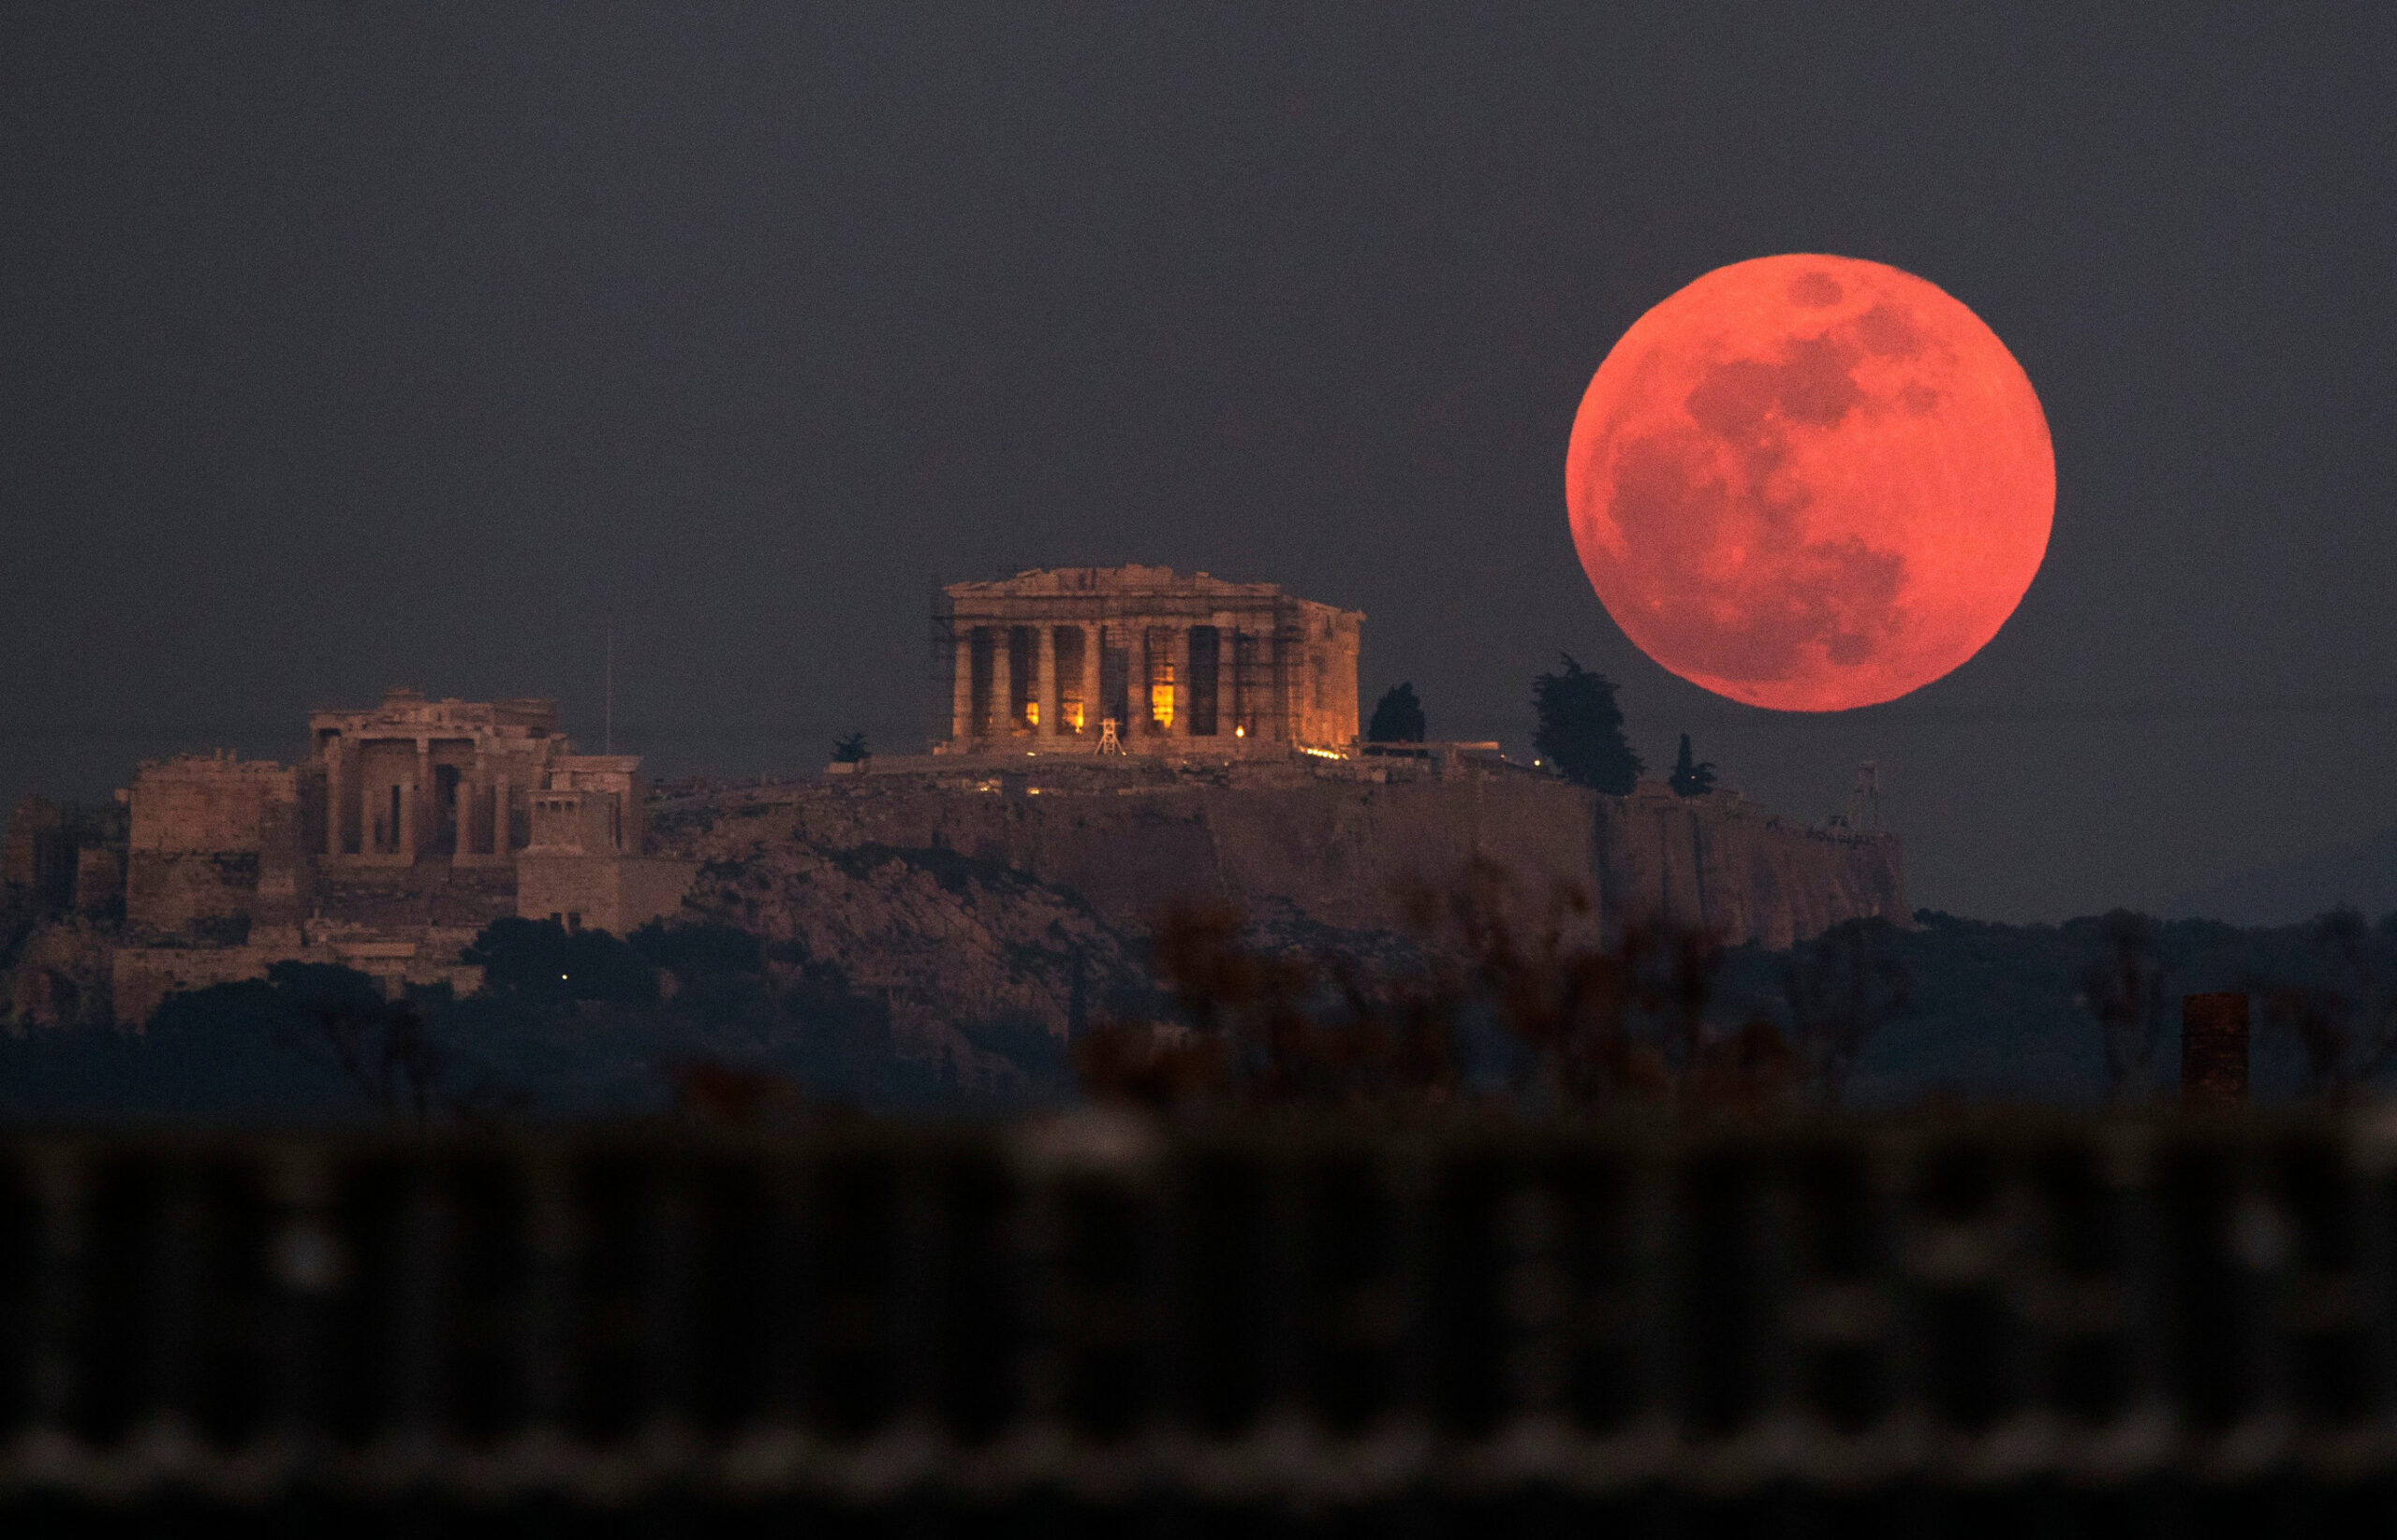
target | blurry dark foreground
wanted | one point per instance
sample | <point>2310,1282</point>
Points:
<point>1105,1325</point>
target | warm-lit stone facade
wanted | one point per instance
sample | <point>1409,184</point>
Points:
<point>1180,664</point>
<point>408,819</point>
<point>470,783</point>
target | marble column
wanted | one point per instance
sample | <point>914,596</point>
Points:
<point>1232,700</point>
<point>500,831</point>
<point>427,818</point>
<point>333,796</point>
<point>403,837</point>
<point>1045,660</point>
<point>1093,639</point>
<point>462,804</point>
<point>961,719</point>
<point>1003,718</point>
<point>1181,655</point>
<point>1278,694</point>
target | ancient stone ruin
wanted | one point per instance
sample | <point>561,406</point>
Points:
<point>1177,665</point>
<point>1012,871</point>
<point>410,826</point>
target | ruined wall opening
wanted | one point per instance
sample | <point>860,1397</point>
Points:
<point>981,665</point>
<point>1023,685</point>
<point>450,832</point>
<point>1072,653</point>
<point>1115,680</point>
<point>1156,696</point>
<point>1205,673</point>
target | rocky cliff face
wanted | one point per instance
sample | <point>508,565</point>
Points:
<point>1720,864</point>
<point>948,940</point>
<point>1001,896</point>
<point>988,896</point>
<point>1340,848</point>
<point>60,977</point>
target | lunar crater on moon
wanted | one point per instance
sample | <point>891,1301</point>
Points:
<point>1810,482</point>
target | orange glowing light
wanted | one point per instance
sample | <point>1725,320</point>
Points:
<point>1810,483</point>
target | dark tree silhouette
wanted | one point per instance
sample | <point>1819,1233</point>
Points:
<point>1691,780</point>
<point>540,960</point>
<point>1580,730</point>
<point>1840,991</point>
<point>850,750</point>
<point>1399,718</point>
<point>2348,1035</point>
<point>332,1014</point>
<point>2125,991</point>
<point>1593,1026</point>
<point>699,951</point>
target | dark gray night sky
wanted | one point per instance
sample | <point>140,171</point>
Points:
<point>344,345</point>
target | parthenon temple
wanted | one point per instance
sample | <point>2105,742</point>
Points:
<point>1049,660</point>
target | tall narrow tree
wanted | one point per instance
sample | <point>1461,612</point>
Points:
<point>1398,719</point>
<point>1580,730</point>
<point>1691,780</point>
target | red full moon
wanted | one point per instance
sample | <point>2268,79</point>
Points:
<point>1810,483</point>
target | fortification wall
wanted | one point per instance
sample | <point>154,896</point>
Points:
<point>1342,849</point>
<point>201,804</point>
<point>140,978</point>
<point>37,855</point>
<point>61,978</point>
<point>619,894</point>
<point>213,840</point>
<point>191,893</point>
<point>407,898</point>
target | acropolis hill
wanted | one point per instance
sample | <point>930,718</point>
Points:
<point>1121,739</point>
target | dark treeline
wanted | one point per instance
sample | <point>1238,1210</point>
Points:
<point>1869,1015</point>
<point>575,1024</point>
<point>2089,1010</point>
<point>1492,1006</point>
